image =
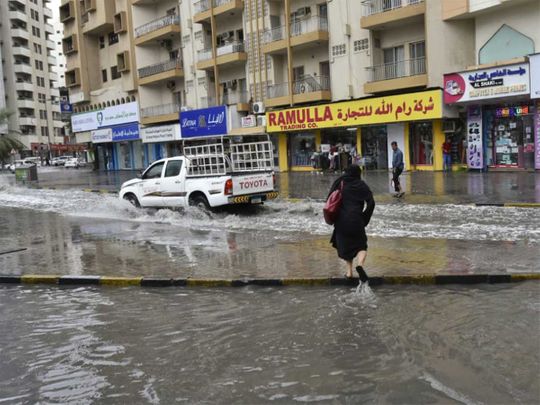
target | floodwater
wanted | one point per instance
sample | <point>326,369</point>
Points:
<point>254,345</point>
<point>75,232</point>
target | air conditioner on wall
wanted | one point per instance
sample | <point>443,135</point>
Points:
<point>449,126</point>
<point>303,11</point>
<point>258,107</point>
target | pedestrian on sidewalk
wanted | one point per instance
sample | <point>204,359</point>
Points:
<point>349,237</point>
<point>397,168</point>
<point>447,155</point>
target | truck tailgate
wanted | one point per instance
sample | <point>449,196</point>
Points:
<point>253,183</point>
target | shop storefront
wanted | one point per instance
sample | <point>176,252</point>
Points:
<point>115,135</point>
<point>332,136</point>
<point>500,115</point>
<point>534,61</point>
<point>160,142</point>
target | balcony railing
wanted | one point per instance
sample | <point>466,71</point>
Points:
<point>163,109</point>
<point>371,7</point>
<point>233,47</point>
<point>274,34</point>
<point>277,90</point>
<point>310,84</point>
<point>202,6</point>
<point>236,97</point>
<point>395,70</point>
<point>306,25</point>
<point>160,68</point>
<point>209,101</point>
<point>156,25</point>
<point>204,54</point>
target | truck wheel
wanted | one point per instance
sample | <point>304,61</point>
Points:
<point>132,200</point>
<point>200,202</point>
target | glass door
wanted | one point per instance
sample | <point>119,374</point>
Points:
<point>393,62</point>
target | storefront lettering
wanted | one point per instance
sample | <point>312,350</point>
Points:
<point>416,106</point>
<point>512,111</point>
<point>497,73</point>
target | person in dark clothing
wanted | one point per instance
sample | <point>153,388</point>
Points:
<point>349,237</point>
<point>397,168</point>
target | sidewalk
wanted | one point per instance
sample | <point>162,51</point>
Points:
<point>420,187</point>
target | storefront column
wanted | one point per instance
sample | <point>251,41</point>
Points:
<point>438,140</point>
<point>406,147</point>
<point>317,140</point>
<point>282,148</point>
<point>359,141</point>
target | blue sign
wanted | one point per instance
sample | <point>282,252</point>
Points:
<point>204,122</point>
<point>65,107</point>
<point>125,132</point>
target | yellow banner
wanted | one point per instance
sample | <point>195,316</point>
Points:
<point>425,105</point>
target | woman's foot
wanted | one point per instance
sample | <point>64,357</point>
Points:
<point>348,276</point>
<point>362,274</point>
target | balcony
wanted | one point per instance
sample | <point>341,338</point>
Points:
<point>228,55</point>
<point>18,16</point>
<point>209,101</point>
<point>240,98</point>
<point>47,12</point>
<point>397,75</point>
<point>379,14</point>
<point>168,26</point>
<point>24,86</point>
<point>49,29</point>
<point>160,113</point>
<point>21,50</point>
<point>67,11</point>
<point>50,44</point>
<point>69,44</point>
<point>51,60</point>
<point>307,89</point>
<point>304,33</point>
<point>28,121</point>
<point>100,20</point>
<point>22,68</point>
<point>160,72</point>
<point>203,10</point>
<point>73,77</point>
<point>120,22</point>
<point>25,102</point>
<point>20,33</point>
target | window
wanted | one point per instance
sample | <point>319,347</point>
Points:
<point>44,131</point>
<point>114,73</point>
<point>339,50</point>
<point>173,168</point>
<point>42,98</point>
<point>101,42</point>
<point>104,75</point>
<point>40,81</point>
<point>171,11</point>
<point>34,14</point>
<point>35,31</point>
<point>39,65</point>
<point>394,62</point>
<point>199,35</point>
<point>361,45</point>
<point>421,143</point>
<point>174,55</point>
<point>43,114</point>
<point>37,48</point>
<point>185,39</point>
<point>154,172</point>
<point>417,52</point>
<point>201,81</point>
<point>189,84</point>
<point>113,38</point>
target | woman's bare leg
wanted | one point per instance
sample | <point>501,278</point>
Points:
<point>361,257</point>
<point>349,268</point>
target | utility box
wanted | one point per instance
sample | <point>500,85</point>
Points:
<point>26,174</point>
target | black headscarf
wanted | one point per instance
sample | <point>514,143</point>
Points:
<point>352,175</point>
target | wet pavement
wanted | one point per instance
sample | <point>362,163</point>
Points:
<point>401,345</point>
<point>420,187</point>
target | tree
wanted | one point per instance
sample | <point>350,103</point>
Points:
<point>7,141</point>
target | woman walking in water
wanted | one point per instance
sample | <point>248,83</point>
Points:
<point>349,236</point>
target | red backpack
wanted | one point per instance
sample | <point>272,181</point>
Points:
<point>333,204</point>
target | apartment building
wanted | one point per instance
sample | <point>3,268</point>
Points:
<point>315,75</point>
<point>29,81</point>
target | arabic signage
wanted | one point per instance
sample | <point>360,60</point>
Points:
<point>107,117</point>
<point>404,107</point>
<point>475,151</point>
<point>163,133</point>
<point>126,132</point>
<point>101,135</point>
<point>204,122</point>
<point>484,84</point>
<point>534,63</point>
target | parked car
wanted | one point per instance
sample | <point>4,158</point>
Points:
<point>22,162</point>
<point>72,162</point>
<point>60,161</point>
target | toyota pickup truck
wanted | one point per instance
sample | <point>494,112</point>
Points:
<point>207,176</point>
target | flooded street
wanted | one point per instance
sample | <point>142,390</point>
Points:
<point>255,345</point>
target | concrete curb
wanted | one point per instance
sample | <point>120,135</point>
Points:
<point>419,279</point>
<point>510,204</point>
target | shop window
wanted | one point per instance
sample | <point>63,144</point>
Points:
<point>421,143</point>
<point>302,148</point>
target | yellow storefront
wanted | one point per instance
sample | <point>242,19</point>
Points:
<point>413,120</point>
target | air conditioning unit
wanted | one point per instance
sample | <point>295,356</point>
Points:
<point>226,35</point>
<point>185,108</point>
<point>261,121</point>
<point>258,107</point>
<point>449,126</point>
<point>303,11</point>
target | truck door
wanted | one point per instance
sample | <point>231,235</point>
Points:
<point>150,193</point>
<point>172,185</point>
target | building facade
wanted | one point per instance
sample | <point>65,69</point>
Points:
<point>30,88</point>
<point>275,65</point>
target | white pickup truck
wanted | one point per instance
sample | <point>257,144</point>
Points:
<point>208,176</point>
